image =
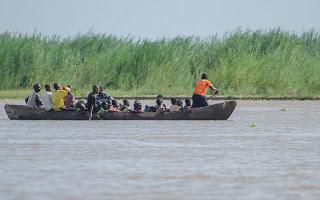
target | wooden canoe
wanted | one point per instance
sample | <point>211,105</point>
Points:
<point>220,111</point>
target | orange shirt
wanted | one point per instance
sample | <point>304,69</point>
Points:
<point>201,87</point>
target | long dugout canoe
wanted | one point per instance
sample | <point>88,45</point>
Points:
<point>219,111</point>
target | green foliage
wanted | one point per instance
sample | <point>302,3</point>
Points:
<point>242,63</point>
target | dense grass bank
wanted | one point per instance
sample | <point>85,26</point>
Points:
<point>242,63</point>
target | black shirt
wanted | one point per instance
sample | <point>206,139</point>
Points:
<point>92,100</point>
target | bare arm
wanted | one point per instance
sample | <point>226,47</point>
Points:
<point>39,101</point>
<point>26,99</point>
<point>215,90</point>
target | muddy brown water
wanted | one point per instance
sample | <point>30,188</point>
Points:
<point>266,150</point>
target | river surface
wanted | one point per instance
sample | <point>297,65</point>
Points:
<point>266,150</point>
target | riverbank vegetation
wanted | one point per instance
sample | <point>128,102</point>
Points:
<point>242,63</point>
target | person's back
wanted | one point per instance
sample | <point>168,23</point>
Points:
<point>199,93</point>
<point>34,99</point>
<point>201,87</point>
<point>70,99</point>
<point>58,97</point>
<point>47,98</point>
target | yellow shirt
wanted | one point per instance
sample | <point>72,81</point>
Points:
<point>57,99</point>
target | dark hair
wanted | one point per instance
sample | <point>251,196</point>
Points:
<point>95,87</point>
<point>115,103</point>
<point>126,102</point>
<point>47,87</point>
<point>37,87</point>
<point>188,102</point>
<point>160,96</point>
<point>104,105</point>
<point>100,88</point>
<point>159,102</point>
<point>204,76</point>
<point>137,105</point>
<point>173,101</point>
<point>179,103</point>
<point>56,86</point>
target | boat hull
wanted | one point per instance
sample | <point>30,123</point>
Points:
<point>220,111</point>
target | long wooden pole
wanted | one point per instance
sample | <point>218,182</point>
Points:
<point>5,101</point>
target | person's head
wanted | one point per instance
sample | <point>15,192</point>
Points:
<point>48,87</point>
<point>95,89</point>
<point>126,102</point>
<point>56,86</point>
<point>37,87</point>
<point>104,105</point>
<point>160,96</point>
<point>204,76</point>
<point>137,105</point>
<point>159,102</point>
<point>70,86</point>
<point>188,102</point>
<point>115,103</point>
<point>179,103</point>
<point>109,104</point>
<point>100,89</point>
<point>173,101</point>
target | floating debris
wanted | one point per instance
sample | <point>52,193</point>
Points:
<point>283,109</point>
<point>253,125</point>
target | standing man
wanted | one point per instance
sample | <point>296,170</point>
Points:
<point>92,102</point>
<point>200,90</point>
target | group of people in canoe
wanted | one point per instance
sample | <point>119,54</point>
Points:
<point>62,98</point>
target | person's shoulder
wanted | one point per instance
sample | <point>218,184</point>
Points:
<point>208,82</point>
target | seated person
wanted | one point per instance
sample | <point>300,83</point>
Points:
<point>179,104</point>
<point>80,105</point>
<point>163,104</point>
<point>188,104</point>
<point>103,97</point>
<point>106,105</point>
<point>137,106</point>
<point>114,106</point>
<point>69,100</point>
<point>174,107</point>
<point>34,99</point>
<point>47,98</point>
<point>58,97</point>
<point>92,103</point>
<point>160,106</point>
<point>126,106</point>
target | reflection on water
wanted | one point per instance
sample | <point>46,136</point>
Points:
<point>278,159</point>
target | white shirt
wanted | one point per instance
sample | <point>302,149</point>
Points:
<point>174,108</point>
<point>47,100</point>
